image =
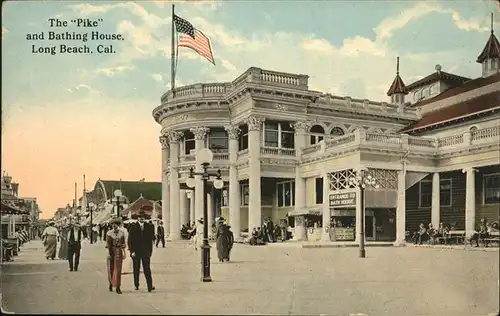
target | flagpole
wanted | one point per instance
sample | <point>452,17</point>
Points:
<point>172,55</point>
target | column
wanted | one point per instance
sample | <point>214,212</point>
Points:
<point>184,213</point>
<point>436,194</point>
<point>254,206</point>
<point>401,208</point>
<point>192,216</point>
<point>234,184</point>
<point>199,136</point>
<point>175,229</point>
<point>165,188</point>
<point>470,201</point>
<point>359,213</point>
<point>325,236</point>
<point>301,128</point>
<point>210,214</point>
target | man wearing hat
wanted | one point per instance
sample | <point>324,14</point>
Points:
<point>74,238</point>
<point>140,245</point>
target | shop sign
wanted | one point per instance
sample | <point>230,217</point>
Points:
<point>343,199</point>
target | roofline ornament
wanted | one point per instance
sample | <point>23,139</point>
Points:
<point>301,126</point>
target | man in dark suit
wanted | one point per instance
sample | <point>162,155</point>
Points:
<point>74,246</point>
<point>160,235</point>
<point>140,244</point>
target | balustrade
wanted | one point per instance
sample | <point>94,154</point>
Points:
<point>272,151</point>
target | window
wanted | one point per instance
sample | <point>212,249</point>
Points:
<point>245,194</point>
<point>473,129</point>
<point>434,89</point>
<point>189,143</point>
<point>425,188</point>
<point>445,192</point>
<point>285,193</point>
<point>278,135</point>
<point>485,66</point>
<point>218,141</point>
<point>493,64</point>
<point>337,131</point>
<point>243,138</point>
<point>271,134</point>
<point>319,190</point>
<point>417,95</point>
<point>491,188</point>
<point>317,134</point>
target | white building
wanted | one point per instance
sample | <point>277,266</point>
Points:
<point>287,152</point>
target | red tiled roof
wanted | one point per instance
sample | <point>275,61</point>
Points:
<point>397,86</point>
<point>490,50</point>
<point>482,103</point>
<point>438,76</point>
<point>468,86</point>
<point>135,207</point>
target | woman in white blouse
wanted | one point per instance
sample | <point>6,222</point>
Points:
<point>50,238</point>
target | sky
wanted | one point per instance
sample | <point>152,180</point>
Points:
<point>66,115</point>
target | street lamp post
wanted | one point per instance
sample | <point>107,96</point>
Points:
<point>205,157</point>
<point>118,195</point>
<point>362,180</point>
<point>90,207</point>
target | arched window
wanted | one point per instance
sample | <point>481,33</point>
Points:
<point>416,95</point>
<point>337,131</point>
<point>317,133</point>
<point>434,89</point>
<point>189,143</point>
<point>473,129</point>
<point>217,140</point>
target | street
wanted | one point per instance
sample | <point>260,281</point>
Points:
<point>273,279</point>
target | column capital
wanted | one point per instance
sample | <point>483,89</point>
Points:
<point>232,131</point>
<point>254,122</point>
<point>164,142</point>
<point>174,136</point>
<point>301,126</point>
<point>199,132</point>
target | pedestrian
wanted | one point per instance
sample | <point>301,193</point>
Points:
<point>230,240</point>
<point>127,261</point>
<point>160,235</point>
<point>74,238</point>
<point>198,234</point>
<point>50,236</point>
<point>221,240</point>
<point>115,242</point>
<point>140,244</point>
<point>63,247</point>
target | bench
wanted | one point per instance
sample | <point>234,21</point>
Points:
<point>494,237</point>
<point>457,236</point>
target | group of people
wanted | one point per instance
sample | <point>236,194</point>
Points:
<point>138,240</point>
<point>431,234</point>
<point>269,232</point>
<point>224,238</point>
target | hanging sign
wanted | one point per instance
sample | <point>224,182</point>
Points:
<point>343,199</point>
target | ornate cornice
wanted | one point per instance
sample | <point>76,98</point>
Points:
<point>232,131</point>
<point>199,132</point>
<point>164,142</point>
<point>254,122</point>
<point>174,136</point>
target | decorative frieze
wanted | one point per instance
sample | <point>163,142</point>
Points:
<point>232,131</point>
<point>254,123</point>
<point>164,142</point>
<point>281,107</point>
<point>301,126</point>
<point>199,132</point>
<point>174,136</point>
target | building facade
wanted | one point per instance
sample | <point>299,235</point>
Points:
<point>287,153</point>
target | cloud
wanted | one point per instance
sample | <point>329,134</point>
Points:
<point>158,77</point>
<point>83,86</point>
<point>112,71</point>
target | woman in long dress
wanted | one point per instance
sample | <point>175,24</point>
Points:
<point>198,237</point>
<point>63,248</point>
<point>49,238</point>
<point>115,242</point>
<point>127,261</point>
<point>222,242</point>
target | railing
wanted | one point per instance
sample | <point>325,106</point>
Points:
<point>274,77</point>
<point>198,90</point>
<point>406,142</point>
<point>272,151</point>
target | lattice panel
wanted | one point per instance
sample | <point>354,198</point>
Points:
<point>386,179</point>
<point>339,180</point>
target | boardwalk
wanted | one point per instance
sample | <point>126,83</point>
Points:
<point>273,279</point>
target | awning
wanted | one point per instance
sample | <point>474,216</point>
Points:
<point>11,208</point>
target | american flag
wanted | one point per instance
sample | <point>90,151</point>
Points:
<point>193,38</point>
